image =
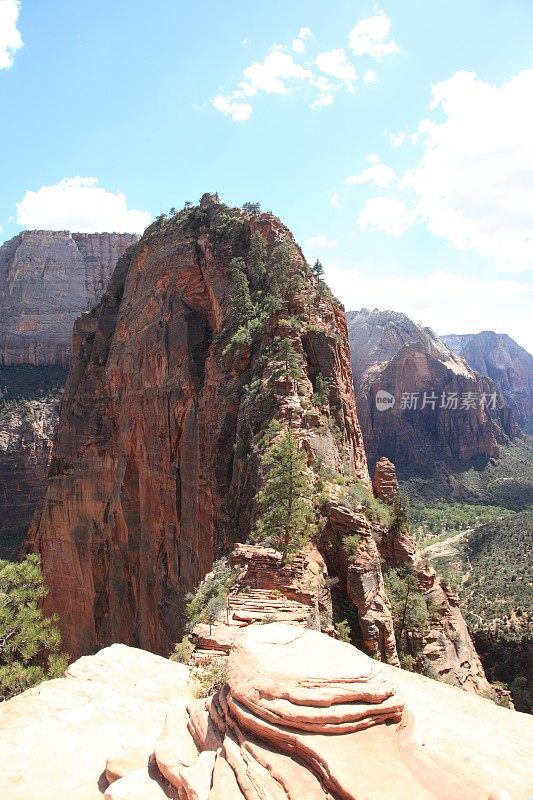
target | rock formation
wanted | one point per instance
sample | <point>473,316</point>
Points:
<point>385,481</point>
<point>300,716</point>
<point>155,465</point>
<point>48,278</point>
<point>500,358</point>
<point>442,411</point>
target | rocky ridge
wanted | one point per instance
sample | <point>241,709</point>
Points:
<point>500,358</point>
<point>391,353</point>
<point>157,459</point>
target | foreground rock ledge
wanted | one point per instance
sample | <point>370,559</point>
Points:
<point>301,717</point>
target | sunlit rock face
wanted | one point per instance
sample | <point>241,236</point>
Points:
<point>48,278</point>
<point>424,427</point>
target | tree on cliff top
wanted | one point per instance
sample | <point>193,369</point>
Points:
<point>287,516</point>
<point>29,642</point>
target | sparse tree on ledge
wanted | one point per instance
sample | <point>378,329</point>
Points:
<point>29,642</point>
<point>251,208</point>
<point>287,516</point>
<point>256,258</point>
<point>289,362</point>
<point>318,269</point>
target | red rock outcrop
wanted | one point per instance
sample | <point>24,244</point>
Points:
<point>48,278</point>
<point>500,358</point>
<point>148,480</point>
<point>391,354</point>
<point>295,709</point>
<point>385,482</point>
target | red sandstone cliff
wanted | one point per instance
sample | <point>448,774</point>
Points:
<point>389,352</point>
<point>47,278</point>
<point>146,487</point>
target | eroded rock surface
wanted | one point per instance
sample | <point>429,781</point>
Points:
<point>391,353</point>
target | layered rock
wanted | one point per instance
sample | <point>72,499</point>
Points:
<point>300,716</point>
<point>48,278</point>
<point>442,410</point>
<point>155,465</point>
<point>500,358</point>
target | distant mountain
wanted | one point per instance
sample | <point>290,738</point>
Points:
<point>442,412</point>
<point>502,359</point>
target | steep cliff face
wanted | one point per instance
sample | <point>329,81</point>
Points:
<point>29,407</point>
<point>47,278</point>
<point>500,358</point>
<point>155,466</point>
<point>443,411</point>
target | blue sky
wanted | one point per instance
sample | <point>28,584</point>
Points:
<point>395,140</point>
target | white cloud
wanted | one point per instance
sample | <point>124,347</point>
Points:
<point>235,110</point>
<point>369,35</point>
<point>333,199</point>
<point>379,174</point>
<point>441,300</point>
<point>298,44</point>
<point>335,63</point>
<point>270,75</point>
<point>474,181</point>
<point>370,76</point>
<point>78,204</point>
<point>10,38</point>
<point>386,214</point>
<point>322,241</point>
<point>398,138</point>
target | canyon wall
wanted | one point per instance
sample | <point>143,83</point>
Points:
<point>48,278</point>
<point>463,418</point>
<point>500,358</point>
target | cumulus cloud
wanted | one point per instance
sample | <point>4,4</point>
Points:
<point>78,204</point>
<point>370,76</point>
<point>397,139</point>
<point>335,63</point>
<point>10,38</point>
<point>322,241</point>
<point>474,181</point>
<point>370,35</point>
<point>283,70</point>
<point>333,199</point>
<point>234,109</point>
<point>442,300</point>
<point>298,44</point>
<point>386,214</point>
<point>378,173</point>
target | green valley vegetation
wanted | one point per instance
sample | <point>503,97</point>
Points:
<point>29,642</point>
<point>286,514</point>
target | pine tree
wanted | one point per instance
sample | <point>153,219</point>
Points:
<point>256,258</point>
<point>287,516</point>
<point>289,364</point>
<point>242,308</point>
<point>29,642</point>
<point>409,609</point>
<point>281,273</point>
<point>318,269</point>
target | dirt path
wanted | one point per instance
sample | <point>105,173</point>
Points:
<point>445,549</point>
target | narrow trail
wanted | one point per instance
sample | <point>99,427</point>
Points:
<point>446,548</point>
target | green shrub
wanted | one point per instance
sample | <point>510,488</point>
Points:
<point>209,678</point>
<point>342,629</point>
<point>29,642</point>
<point>182,651</point>
<point>351,544</point>
<point>210,597</point>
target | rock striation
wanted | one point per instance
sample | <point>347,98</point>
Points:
<point>48,278</point>
<point>390,353</point>
<point>300,715</point>
<point>502,360</point>
<point>155,466</point>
